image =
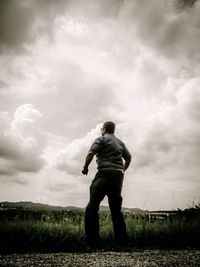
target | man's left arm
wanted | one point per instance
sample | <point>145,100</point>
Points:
<point>127,157</point>
<point>127,163</point>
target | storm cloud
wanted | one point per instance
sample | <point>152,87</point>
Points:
<point>22,22</point>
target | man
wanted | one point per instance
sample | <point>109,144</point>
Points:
<point>110,152</point>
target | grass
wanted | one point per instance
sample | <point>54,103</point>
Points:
<point>37,236</point>
<point>67,234</point>
<point>165,234</point>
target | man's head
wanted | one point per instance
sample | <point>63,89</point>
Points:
<point>108,127</point>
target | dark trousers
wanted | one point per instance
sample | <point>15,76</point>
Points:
<point>106,182</point>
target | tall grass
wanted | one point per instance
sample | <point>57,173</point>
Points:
<point>38,236</point>
<point>68,234</point>
<point>176,233</point>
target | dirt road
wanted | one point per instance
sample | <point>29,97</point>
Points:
<point>138,258</point>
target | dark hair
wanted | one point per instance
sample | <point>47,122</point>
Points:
<point>109,127</point>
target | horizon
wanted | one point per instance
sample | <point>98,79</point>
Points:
<point>101,206</point>
<point>69,66</point>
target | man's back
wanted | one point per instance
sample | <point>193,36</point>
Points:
<point>110,151</point>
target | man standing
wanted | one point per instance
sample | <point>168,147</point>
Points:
<point>110,152</point>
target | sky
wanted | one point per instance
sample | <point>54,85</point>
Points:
<point>69,66</point>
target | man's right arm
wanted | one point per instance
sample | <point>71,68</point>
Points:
<point>88,160</point>
<point>93,151</point>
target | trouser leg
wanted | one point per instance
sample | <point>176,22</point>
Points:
<point>119,226</point>
<point>91,214</point>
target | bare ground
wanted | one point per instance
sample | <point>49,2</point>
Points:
<point>140,258</point>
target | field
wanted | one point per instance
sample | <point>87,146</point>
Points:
<point>62,230</point>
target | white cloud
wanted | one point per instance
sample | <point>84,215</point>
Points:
<point>71,158</point>
<point>21,142</point>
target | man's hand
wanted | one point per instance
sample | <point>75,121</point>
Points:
<point>85,171</point>
<point>127,163</point>
<point>88,159</point>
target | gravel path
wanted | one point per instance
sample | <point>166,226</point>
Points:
<point>144,258</point>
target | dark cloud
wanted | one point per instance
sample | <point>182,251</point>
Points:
<point>3,85</point>
<point>163,28</point>
<point>186,3</point>
<point>95,9</point>
<point>15,23</point>
<point>15,157</point>
<point>22,21</point>
<point>9,148</point>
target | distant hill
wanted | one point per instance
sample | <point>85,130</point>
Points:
<point>27,205</point>
<point>36,206</point>
<point>125,210</point>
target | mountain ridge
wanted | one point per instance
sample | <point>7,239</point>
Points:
<point>41,206</point>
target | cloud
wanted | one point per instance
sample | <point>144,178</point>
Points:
<point>187,3</point>
<point>26,124</point>
<point>71,159</point>
<point>163,29</point>
<point>168,138</point>
<point>84,62</point>
<point>4,121</point>
<point>51,70</point>
<point>21,22</point>
<point>15,23</point>
<point>18,155</point>
<point>21,142</point>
